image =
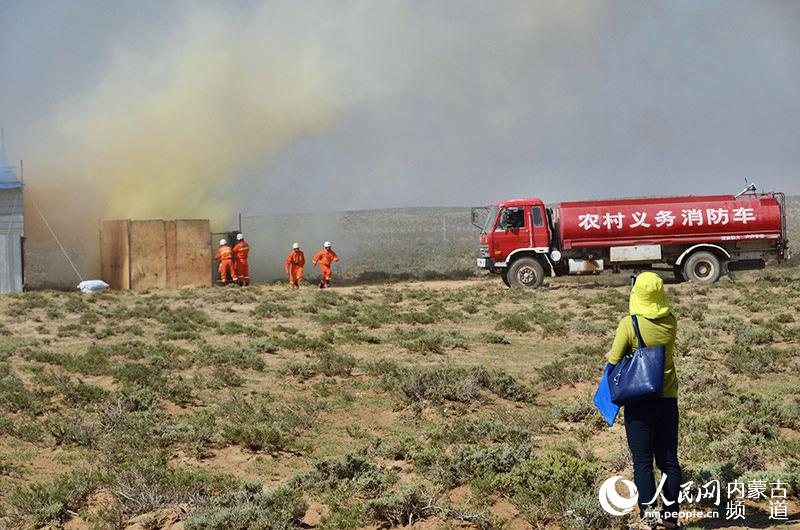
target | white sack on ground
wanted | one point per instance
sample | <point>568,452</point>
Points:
<point>90,286</point>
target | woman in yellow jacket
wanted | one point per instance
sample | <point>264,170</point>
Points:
<point>651,426</point>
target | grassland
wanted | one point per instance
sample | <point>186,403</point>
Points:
<point>455,404</point>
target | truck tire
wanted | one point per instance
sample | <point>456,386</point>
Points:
<point>702,268</point>
<point>504,276</point>
<point>527,273</point>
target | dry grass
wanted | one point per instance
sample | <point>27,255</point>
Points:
<point>447,403</point>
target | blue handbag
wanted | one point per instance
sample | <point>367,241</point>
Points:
<point>640,375</point>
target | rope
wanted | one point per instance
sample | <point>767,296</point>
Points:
<point>36,205</point>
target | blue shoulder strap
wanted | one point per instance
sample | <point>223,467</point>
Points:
<point>636,329</point>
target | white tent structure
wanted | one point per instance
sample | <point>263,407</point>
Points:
<point>11,227</point>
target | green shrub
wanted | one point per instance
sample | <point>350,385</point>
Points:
<point>264,423</point>
<point>328,363</point>
<point>427,341</point>
<point>240,330</point>
<point>615,300</point>
<point>355,335</point>
<point>480,518</point>
<point>75,304</point>
<point>234,356</point>
<point>341,315</point>
<point>335,364</point>
<point>755,361</point>
<point>146,483</point>
<point>470,430</point>
<point>410,504</point>
<point>442,383</point>
<point>42,504</point>
<point>569,371</point>
<point>344,515</point>
<point>269,309</point>
<point>383,367</point>
<point>250,508</point>
<point>743,452</point>
<point>577,410</point>
<point>515,322</point>
<point>478,464</point>
<point>134,373</point>
<point>194,432</point>
<point>225,376</point>
<point>71,430</point>
<point>24,304</point>
<point>582,513</point>
<point>588,327</point>
<point>299,341</point>
<point>551,323</point>
<point>790,476</point>
<point>470,308</point>
<point>494,338</point>
<point>15,396</point>
<point>550,481</point>
<point>352,474</point>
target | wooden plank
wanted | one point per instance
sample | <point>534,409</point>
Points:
<point>193,256</point>
<point>115,254</point>
<point>148,255</point>
<point>171,237</point>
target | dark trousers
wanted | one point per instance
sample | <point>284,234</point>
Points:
<point>651,427</point>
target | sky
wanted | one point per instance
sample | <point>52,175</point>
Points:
<point>203,109</point>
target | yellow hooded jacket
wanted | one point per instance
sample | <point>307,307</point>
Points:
<point>656,324</point>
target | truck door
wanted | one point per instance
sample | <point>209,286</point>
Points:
<point>541,232</point>
<point>511,232</point>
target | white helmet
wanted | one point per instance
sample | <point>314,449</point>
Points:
<point>223,242</point>
<point>327,244</point>
<point>295,246</point>
<point>239,236</point>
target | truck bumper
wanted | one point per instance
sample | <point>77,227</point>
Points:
<point>490,265</point>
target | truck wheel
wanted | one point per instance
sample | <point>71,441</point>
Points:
<point>527,273</point>
<point>702,268</point>
<point>504,276</point>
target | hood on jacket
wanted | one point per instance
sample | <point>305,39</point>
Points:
<point>648,298</point>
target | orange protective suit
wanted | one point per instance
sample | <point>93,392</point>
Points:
<point>225,257</point>
<point>325,257</point>
<point>240,251</point>
<point>294,266</point>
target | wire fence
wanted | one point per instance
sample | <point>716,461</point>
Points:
<point>415,242</point>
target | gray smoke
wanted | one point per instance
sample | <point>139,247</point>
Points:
<point>204,109</point>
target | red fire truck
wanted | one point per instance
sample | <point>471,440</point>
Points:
<point>697,238</point>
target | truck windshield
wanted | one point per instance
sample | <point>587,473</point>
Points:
<point>490,217</point>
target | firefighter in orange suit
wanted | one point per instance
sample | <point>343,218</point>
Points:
<point>325,257</point>
<point>294,265</point>
<point>240,252</point>
<point>225,258</point>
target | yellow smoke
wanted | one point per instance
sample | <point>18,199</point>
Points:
<point>176,127</point>
<point>165,134</point>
